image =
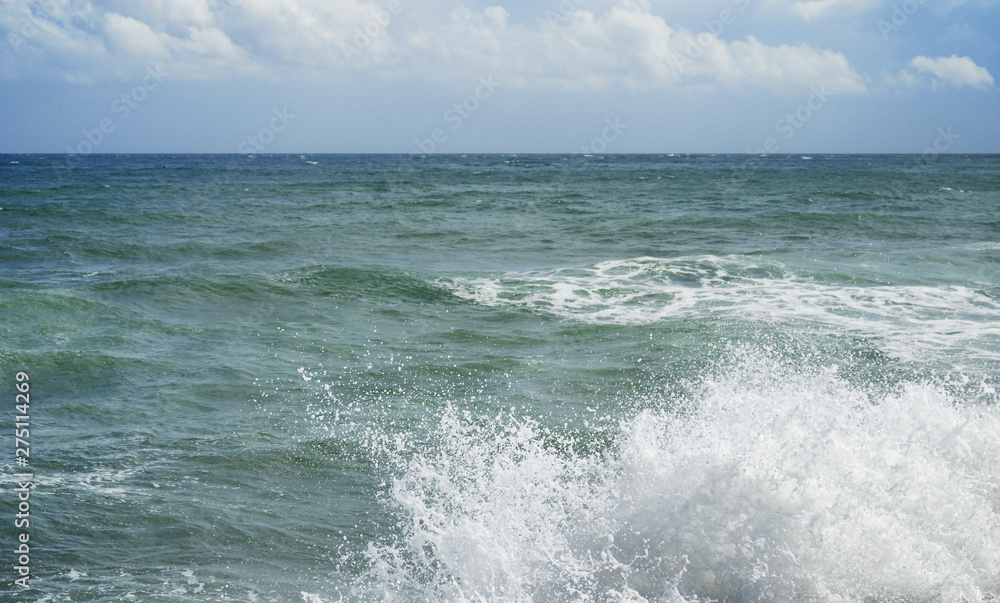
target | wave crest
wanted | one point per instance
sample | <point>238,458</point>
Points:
<point>911,321</point>
<point>775,484</point>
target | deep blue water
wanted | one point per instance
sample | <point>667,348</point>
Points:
<point>504,377</point>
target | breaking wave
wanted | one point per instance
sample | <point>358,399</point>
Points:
<point>771,484</point>
<point>911,320</point>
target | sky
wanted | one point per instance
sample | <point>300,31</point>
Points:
<point>499,76</point>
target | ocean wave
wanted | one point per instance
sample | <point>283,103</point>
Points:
<point>773,484</point>
<point>912,320</point>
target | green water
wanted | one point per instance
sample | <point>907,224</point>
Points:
<point>422,378</point>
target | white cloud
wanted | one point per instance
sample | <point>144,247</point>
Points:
<point>135,37</point>
<point>815,9</point>
<point>49,39</point>
<point>313,33</point>
<point>625,44</point>
<point>979,3</point>
<point>167,14</point>
<point>800,65</point>
<point>954,70</point>
<point>199,52</point>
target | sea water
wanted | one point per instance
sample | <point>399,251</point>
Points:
<point>503,377</point>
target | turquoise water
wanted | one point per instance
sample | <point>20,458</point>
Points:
<point>504,378</point>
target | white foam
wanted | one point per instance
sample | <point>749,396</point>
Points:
<point>984,246</point>
<point>910,320</point>
<point>773,484</point>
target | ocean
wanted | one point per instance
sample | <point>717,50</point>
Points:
<point>540,378</point>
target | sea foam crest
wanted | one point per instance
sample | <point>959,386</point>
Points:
<point>774,485</point>
<point>911,320</point>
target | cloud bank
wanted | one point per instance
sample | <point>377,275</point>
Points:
<point>625,44</point>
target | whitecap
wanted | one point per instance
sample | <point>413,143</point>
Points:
<point>909,320</point>
<point>772,484</point>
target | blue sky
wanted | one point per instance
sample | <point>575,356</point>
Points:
<point>457,76</point>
